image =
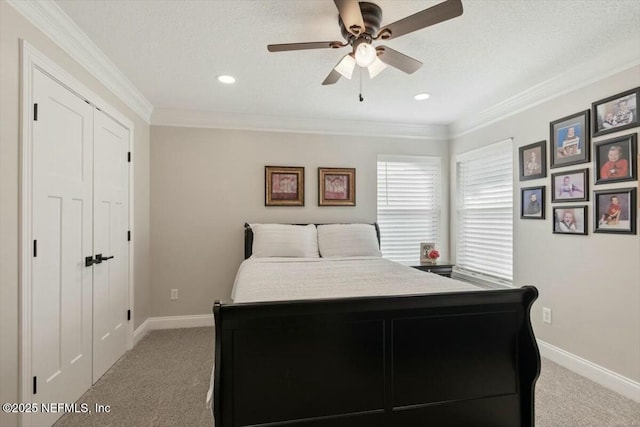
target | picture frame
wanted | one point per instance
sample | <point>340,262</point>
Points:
<point>615,211</point>
<point>532,203</point>
<point>615,159</point>
<point>570,186</point>
<point>570,220</point>
<point>616,113</point>
<point>284,186</point>
<point>570,140</point>
<point>425,247</point>
<point>336,187</point>
<point>533,161</point>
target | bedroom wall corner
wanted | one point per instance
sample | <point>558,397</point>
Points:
<point>591,283</point>
<point>141,158</point>
<point>206,183</point>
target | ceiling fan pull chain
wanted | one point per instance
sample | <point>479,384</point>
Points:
<point>360,95</point>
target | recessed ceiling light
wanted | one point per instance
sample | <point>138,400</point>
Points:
<point>226,79</point>
<point>421,96</point>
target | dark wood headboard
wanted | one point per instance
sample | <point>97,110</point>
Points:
<point>248,237</point>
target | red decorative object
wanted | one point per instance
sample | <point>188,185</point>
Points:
<point>433,254</point>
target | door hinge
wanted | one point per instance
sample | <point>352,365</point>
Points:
<point>128,314</point>
<point>129,236</point>
<point>35,248</point>
<point>35,385</point>
<point>35,112</point>
<point>129,156</point>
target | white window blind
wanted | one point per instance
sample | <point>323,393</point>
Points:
<point>485,211</point>
<point>408,205</point>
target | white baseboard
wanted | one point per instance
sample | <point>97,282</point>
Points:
<point>171,322</point>
<point>590,370</point>
<point>140,332</point>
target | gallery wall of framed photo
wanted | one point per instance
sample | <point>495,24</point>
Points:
<point>607,196</point>
<point>589,281</point>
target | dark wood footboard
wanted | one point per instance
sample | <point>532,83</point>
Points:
<point>457,359</point>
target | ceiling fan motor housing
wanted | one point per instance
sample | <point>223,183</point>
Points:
<point>372,17</point>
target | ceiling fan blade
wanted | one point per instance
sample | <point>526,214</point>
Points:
<point>301,46</point>
<point>351,15</point>
<point>398,60</point>
<point>431,16</point>
<point>332,78</point>
<point>335,75</point>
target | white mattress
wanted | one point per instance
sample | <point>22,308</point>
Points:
<point>280,279</point>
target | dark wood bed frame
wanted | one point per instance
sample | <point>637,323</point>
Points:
<point>459,359</point>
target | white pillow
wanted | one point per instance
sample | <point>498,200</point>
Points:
<point>283,240</point>
<point>348,240</point>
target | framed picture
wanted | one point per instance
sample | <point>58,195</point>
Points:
<point>570,186</point>
<point>615,211</point>
<point>533,161</point>
<point>425,248</point>
<point>532,203</point>
<point>570,140</point>
<point>284,186</point>
<point>570,220</point>
<point>336,187</point>
<point>615,159</point>
<point>616,113</point>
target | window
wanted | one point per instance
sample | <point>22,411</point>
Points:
<point>408,205</point>
<point>484,245</point>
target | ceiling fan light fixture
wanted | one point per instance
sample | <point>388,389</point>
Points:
<point>376,67</point>
<point>421,96</point>
<point>365,54</point>
<point>226,79</point>
<point>346,66</point>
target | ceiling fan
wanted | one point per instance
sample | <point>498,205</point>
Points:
<point>360,26</point>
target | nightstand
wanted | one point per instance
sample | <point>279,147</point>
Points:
<point>441,269</point>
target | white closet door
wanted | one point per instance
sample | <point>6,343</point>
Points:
<point>62,226</point>
<point>111,223</point>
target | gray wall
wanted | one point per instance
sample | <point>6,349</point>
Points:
<point>591,283</point>
<point>206,183</point>
<point>12,28</point>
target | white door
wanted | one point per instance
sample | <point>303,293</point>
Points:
<point>80,210</point>
<point>61,303</point>
<point>111,223</point>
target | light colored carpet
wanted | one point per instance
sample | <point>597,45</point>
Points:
<point>565,399</point>
<point>164,379</point>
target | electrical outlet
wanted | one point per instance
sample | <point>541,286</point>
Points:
<point>546,315</point>
<point>174,294</point>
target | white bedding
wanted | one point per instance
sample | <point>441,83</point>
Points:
<point>279,279</point>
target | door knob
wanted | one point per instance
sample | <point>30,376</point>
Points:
<point>100,258</point>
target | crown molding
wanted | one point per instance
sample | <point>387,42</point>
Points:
<point>254,122</point>
<point>49,18</point>
<point>594,69</point>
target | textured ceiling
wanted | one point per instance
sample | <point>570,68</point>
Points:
<point>173,50</point>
